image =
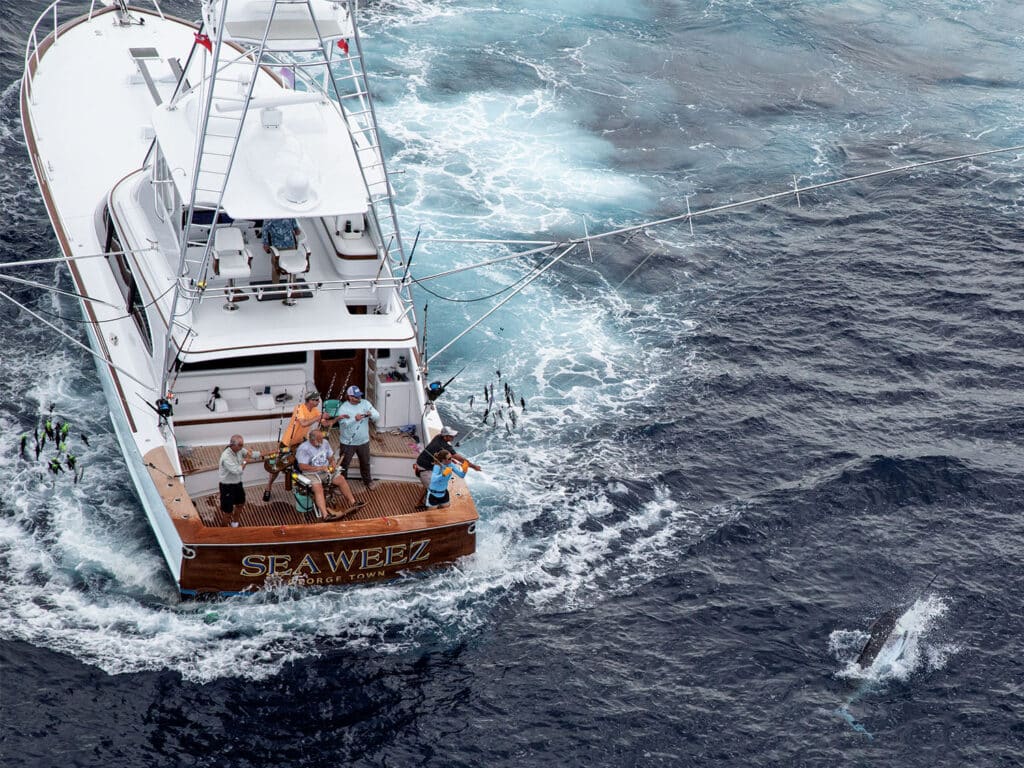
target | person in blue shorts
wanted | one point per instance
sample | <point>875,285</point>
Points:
<point>437,494</point>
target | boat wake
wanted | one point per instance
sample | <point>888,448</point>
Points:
<point>560,528</point>
<point>573,509</point>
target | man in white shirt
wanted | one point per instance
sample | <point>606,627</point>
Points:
<point>229,472</point>
<point>315,461</point>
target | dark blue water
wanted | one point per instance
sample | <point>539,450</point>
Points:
<point>730,463</point>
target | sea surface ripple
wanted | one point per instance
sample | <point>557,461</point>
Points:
<point>741,444</point>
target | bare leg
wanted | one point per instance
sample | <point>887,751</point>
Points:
<point>346,491</point>
<point>318,498</point>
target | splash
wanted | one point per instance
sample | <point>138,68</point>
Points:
<point>907,651</point>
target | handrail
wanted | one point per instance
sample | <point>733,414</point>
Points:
<point>33,44</point>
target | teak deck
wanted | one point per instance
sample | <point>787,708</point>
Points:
<point>388,499</point>
<point>203,458</point>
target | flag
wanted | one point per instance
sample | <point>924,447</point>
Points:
<point>343,44</point>
<point>204,40</point>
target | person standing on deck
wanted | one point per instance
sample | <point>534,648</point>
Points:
<point>315,461</point>
<point>354,416</point>
<point>444,467</point>
<point>229,472</point>
<point>304,416</point>
<point>442,442</point>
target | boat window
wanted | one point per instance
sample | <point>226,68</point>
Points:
<point>249,361</point>
<point>338,354</point>
<point>122,271</point>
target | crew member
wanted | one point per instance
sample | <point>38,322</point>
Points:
<point>444,467</point>
<point>441,442</point>
<point>304,416</point>
<point>229,471</point>
<point>315,461</point>
<point>354,418</point>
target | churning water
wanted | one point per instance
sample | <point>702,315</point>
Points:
<point>731,459</point>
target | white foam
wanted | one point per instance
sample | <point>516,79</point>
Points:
<point>919,652</point>
<point>559,528</point>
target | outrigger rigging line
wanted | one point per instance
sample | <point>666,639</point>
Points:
<point>570,243</point>
<point>73,340</point>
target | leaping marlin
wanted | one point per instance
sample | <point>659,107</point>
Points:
<point>887,643</point>
<point>883,638</point>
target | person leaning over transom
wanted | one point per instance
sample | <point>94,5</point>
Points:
<point>229,472</point>
<point>444,467</point>
<point>441,442</point>
<point>304,416</point>
<point>354,416</point>
<point>314,460</point>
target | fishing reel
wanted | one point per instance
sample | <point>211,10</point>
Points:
<point>277,462</point>
<point>434,390</point>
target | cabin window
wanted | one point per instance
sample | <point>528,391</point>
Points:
<point>122,271</point>
<point>338,354</point>
<point>249,361</point>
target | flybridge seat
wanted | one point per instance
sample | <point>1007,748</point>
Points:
<point>231,259</point>
<point>293,262</point>
<point>350,237</point>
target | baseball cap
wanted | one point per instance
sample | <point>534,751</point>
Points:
<point>354,391</point>
<point>312,395</point>
<point>449,432</point>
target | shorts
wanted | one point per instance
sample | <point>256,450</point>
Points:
<point>435,500</point>
<point>231,495</point>
<point>324,478</point>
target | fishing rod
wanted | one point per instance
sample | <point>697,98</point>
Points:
<point>408,262</point>
<point>435,389</point>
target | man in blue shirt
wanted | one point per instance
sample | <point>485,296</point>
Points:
<point>354,416</point>
<point>315,461</point>
<point>281,234</point>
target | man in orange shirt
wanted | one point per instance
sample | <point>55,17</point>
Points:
<point>305,416</point>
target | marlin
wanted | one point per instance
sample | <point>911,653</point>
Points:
<point>885,641</point>
<point>888,639</point>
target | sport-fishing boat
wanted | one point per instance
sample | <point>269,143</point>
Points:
<point>166,153</point>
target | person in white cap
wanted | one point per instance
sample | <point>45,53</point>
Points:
<point>442,441</point>
<point>353,417</point>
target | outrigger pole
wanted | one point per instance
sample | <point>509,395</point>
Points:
<point>570,243</point>
<point>73,340</point>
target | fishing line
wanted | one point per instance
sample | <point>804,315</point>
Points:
<point>73,340</point>
<point>54,289</point>
<point>479,298</point>
<point>537,273</point>
<point>83,321</point>
<point>63,259</point>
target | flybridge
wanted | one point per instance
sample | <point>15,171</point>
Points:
<point>287,25</point>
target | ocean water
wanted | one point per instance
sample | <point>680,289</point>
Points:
<point>740,446</point>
